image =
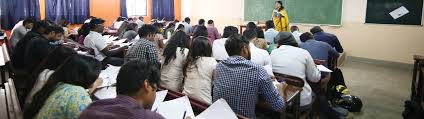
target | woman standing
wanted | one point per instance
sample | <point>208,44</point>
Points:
<point>280,17</point>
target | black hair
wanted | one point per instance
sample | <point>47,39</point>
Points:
<point>29,20</point>
<point>84,30</point>
<point>179,39</point>
<point>306,36</point>
<point>130,19</point>
<point>294,28</point>
<point>235,44</point>
<point>210,22</point>
<point>251,25</point>
<point>200,31</point>
<point>53,28</point>
<point>286,41</point>
<point>63,22</point>
<point>94,22</point>
<point>250,34</point>
<point>281,3</point>
<point>201,22</point>
<point>187,19</point>
<point>78,70</point>
<point>146,30</point>
<point>200,47</point>
<point>141,18</point>
<point>132,75</point>
<point>41,26</point>
<point>269,24</point>
<point>260,33</point>
<point>170,25</point>
<point>316,29</point>
<point>229,31</point>
<point>181,26</point>
<point>176,21</point>
<point>132,26</point>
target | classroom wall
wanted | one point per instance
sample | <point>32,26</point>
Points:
<point>396,43</point>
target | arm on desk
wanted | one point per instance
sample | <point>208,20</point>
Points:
<point>271,96</point>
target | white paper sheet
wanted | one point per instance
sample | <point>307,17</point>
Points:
<point>218,110</point>
<point>399,12</point>
<point>322,68</point>
<point>175,109</point>
<point>160,96</point>
<point>109,75</point>
<point>106,93</point>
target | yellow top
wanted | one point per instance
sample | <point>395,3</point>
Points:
<point>281,20</point>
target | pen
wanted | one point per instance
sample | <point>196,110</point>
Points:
<point>184,114</point>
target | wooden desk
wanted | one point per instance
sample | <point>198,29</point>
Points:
<point>260,26</point>
<point>292,95</point>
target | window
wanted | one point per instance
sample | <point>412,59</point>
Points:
<point>136,7</point>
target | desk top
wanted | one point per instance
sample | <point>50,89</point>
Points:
<point>259,25</point>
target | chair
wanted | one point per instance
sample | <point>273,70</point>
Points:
<point>13,106</point>
<point>198,106</point>
<point>295,86</point>
<point>3,109</point>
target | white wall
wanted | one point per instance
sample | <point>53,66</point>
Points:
<point>395,43</point>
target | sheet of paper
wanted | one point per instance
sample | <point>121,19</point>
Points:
<point>124,44</point>
<point>160,96</point>
<point>399,12</point>
<point>175,109</point>
<point>109,75</point>
<point>106,93</point>
<point>218,110</point>
<point>322,68</point>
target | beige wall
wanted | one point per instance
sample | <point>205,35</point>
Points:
<point>395,43</point>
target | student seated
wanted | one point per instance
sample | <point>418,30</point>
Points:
<point>270,32</point>
<point>173,58</point>
<point>187,27</point>
<point>200,23</point>
<point>64,95</point>
<point>180,28</point>
<point>46,69</point>
<point>201,31</point>
<point>296,34</point>
<point>258,56</point>
<point>253,26</point>
<point>169,30</point>
<point>20,31</point>
<point>240,82</point>
<point>102,51</point>
<point>199,70</point>
<point>331,39</point>
<point>318,49</point>
<point>213,33</point>
<point>140,22</point>
<point>136,88</point>
<point>144,49</point>
<point>117,24</point>
<point>131,32</point>
<point>83,32</point>
<point>218,47</point>
<point>290,60</point>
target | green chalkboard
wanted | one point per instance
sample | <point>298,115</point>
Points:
<point>300,11</point>
<point>378,11</point>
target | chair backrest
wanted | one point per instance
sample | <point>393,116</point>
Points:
<point>290,80</point>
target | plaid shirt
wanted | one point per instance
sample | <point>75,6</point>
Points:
<point>240,82</point>
<point>142,50</point>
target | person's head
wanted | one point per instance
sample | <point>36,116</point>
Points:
<point>40,26</point>
<point>306,36</point>
<point>269,24</point>
<point>130,19</point>
<point>316,29</point>
<point>279,5</point>
<point>294,28</point>
<point>63,22</point>
<point>251,25</point>
<point>187,20</point>
<point>120,19</point>
<point>210,22</point>
<point>176,21</point>
<point>229,31</point>
<point>84,30</point>
<point>141,18</point>
<point>132,26</point>
<point>58,56</point>
<point>97,25</point>
<point>201,31</point>
<point>201,22</point>
<point>170,25</point>
<point>237,45</point>
<point>285,38</point>
<point>179,39</point>
<point>77,70</point>
<point>29,23</point>
<point>139,80</point>
<point>180,27</point>
<point>250,34</point>
<point>147,32</point>
<point>53,33</point>
<point>200,47</point>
